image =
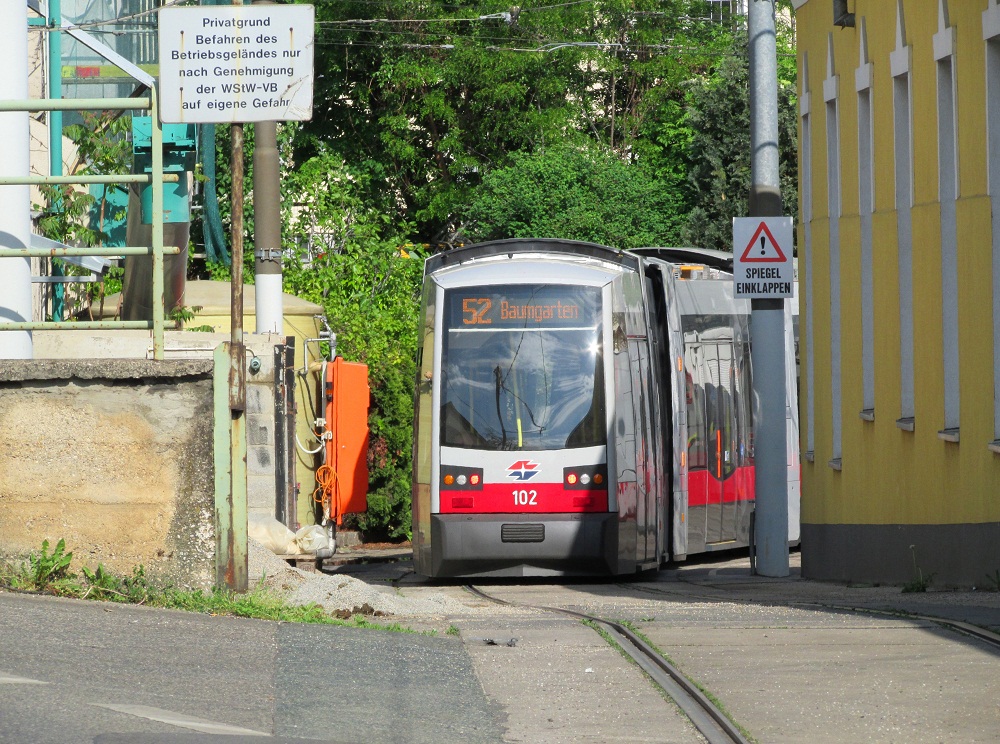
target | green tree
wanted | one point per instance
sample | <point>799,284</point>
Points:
<point>427,99</point>
<point>566,192</point>
<point>718,150</point>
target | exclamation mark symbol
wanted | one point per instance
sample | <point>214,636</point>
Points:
<point>762,245</point>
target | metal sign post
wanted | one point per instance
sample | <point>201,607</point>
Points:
<point>236,64</point>
<point>767,315</point>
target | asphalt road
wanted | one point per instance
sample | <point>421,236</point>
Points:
<point>95,672</point>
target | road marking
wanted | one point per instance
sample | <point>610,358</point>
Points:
<point>9,679</point>
<point>178,719</point>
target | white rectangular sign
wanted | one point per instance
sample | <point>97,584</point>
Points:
<point>236,63</point>
<point>762,257</point>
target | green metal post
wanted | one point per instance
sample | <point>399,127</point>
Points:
<point>157,143</point>
<point>230,482</point>
<point>55,127</point>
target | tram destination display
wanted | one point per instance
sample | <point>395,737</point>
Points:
<point>515,306</point>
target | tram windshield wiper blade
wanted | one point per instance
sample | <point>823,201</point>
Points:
<point>498,377</point>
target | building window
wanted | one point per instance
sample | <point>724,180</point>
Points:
<point>866,206</point>
<point>830,94</point>
<point>805,171</point>
<point>944,44</point>
<point>902,120</point>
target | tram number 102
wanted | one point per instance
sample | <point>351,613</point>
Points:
<point>525,498</point>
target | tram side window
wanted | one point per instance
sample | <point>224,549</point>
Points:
<point>695,398</point>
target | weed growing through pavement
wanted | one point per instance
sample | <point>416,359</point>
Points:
<point>49,573</point>
<point>919,583</point>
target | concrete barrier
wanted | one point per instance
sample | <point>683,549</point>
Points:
<point>115,457</point>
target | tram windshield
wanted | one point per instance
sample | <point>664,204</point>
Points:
<point>522,368</point>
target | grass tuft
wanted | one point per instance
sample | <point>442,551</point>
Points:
<point>49,573</point>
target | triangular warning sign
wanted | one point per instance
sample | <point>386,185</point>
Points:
<point>763,248</point>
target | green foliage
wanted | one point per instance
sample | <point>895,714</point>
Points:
<point>426,110</point>
<point>50,573</point>
<point>718,150</point>
<point>47,569</point>
<point>183,314</point>
<point>102,584</point>
<point>369,287</point>
<point>79,218</point>
<point>576,194</point>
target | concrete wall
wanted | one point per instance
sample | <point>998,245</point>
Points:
<point>261,454</point>
<point>115,457</point>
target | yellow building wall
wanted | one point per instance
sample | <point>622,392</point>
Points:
<point>890,476</point>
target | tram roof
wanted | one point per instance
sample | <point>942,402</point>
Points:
<point>556,247</point>
<point>721,260</point>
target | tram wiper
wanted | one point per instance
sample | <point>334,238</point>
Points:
<point>498,377</point>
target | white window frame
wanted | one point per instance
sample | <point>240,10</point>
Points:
<point>900,60</point>
<point>831,93</point>
<point>947,115</point>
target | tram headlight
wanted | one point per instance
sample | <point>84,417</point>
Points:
<point>460,478</point>
<point>585,478</point>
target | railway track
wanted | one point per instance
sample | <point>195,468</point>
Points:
<point>703,713</point>
<point>986,636</point>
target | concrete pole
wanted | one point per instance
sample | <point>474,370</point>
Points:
<point>267,228</point>
<point>267,225</point>
<point>15,201</point>
<point>767,317</point>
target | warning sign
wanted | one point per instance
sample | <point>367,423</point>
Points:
<point>762,257</point>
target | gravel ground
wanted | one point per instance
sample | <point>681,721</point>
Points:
<point>344,596</point>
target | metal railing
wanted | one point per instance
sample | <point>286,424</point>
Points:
<point>155,178</point>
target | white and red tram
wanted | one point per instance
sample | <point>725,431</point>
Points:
<point>580,410</point>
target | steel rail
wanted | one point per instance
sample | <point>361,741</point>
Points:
<point>957,626</point>
<point>711,722</point>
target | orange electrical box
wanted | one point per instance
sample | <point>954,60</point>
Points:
<point>344,477</point>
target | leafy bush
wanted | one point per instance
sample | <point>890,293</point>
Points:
<point>567,192</point>
<point>369,287</point>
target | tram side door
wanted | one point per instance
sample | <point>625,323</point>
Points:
<point>647,486</point>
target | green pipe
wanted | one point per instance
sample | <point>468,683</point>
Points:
<point>84,325</point>
<point>112,178</point>
<point>56,131</point>
<point>75,104</point>
<point>158,265</point>
<point>95,251</point>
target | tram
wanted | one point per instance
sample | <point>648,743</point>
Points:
<point>582,411</point>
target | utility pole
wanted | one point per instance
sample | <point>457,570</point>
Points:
<point>267,228</point>
<point>15,200</point>
<point>767,316</point>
